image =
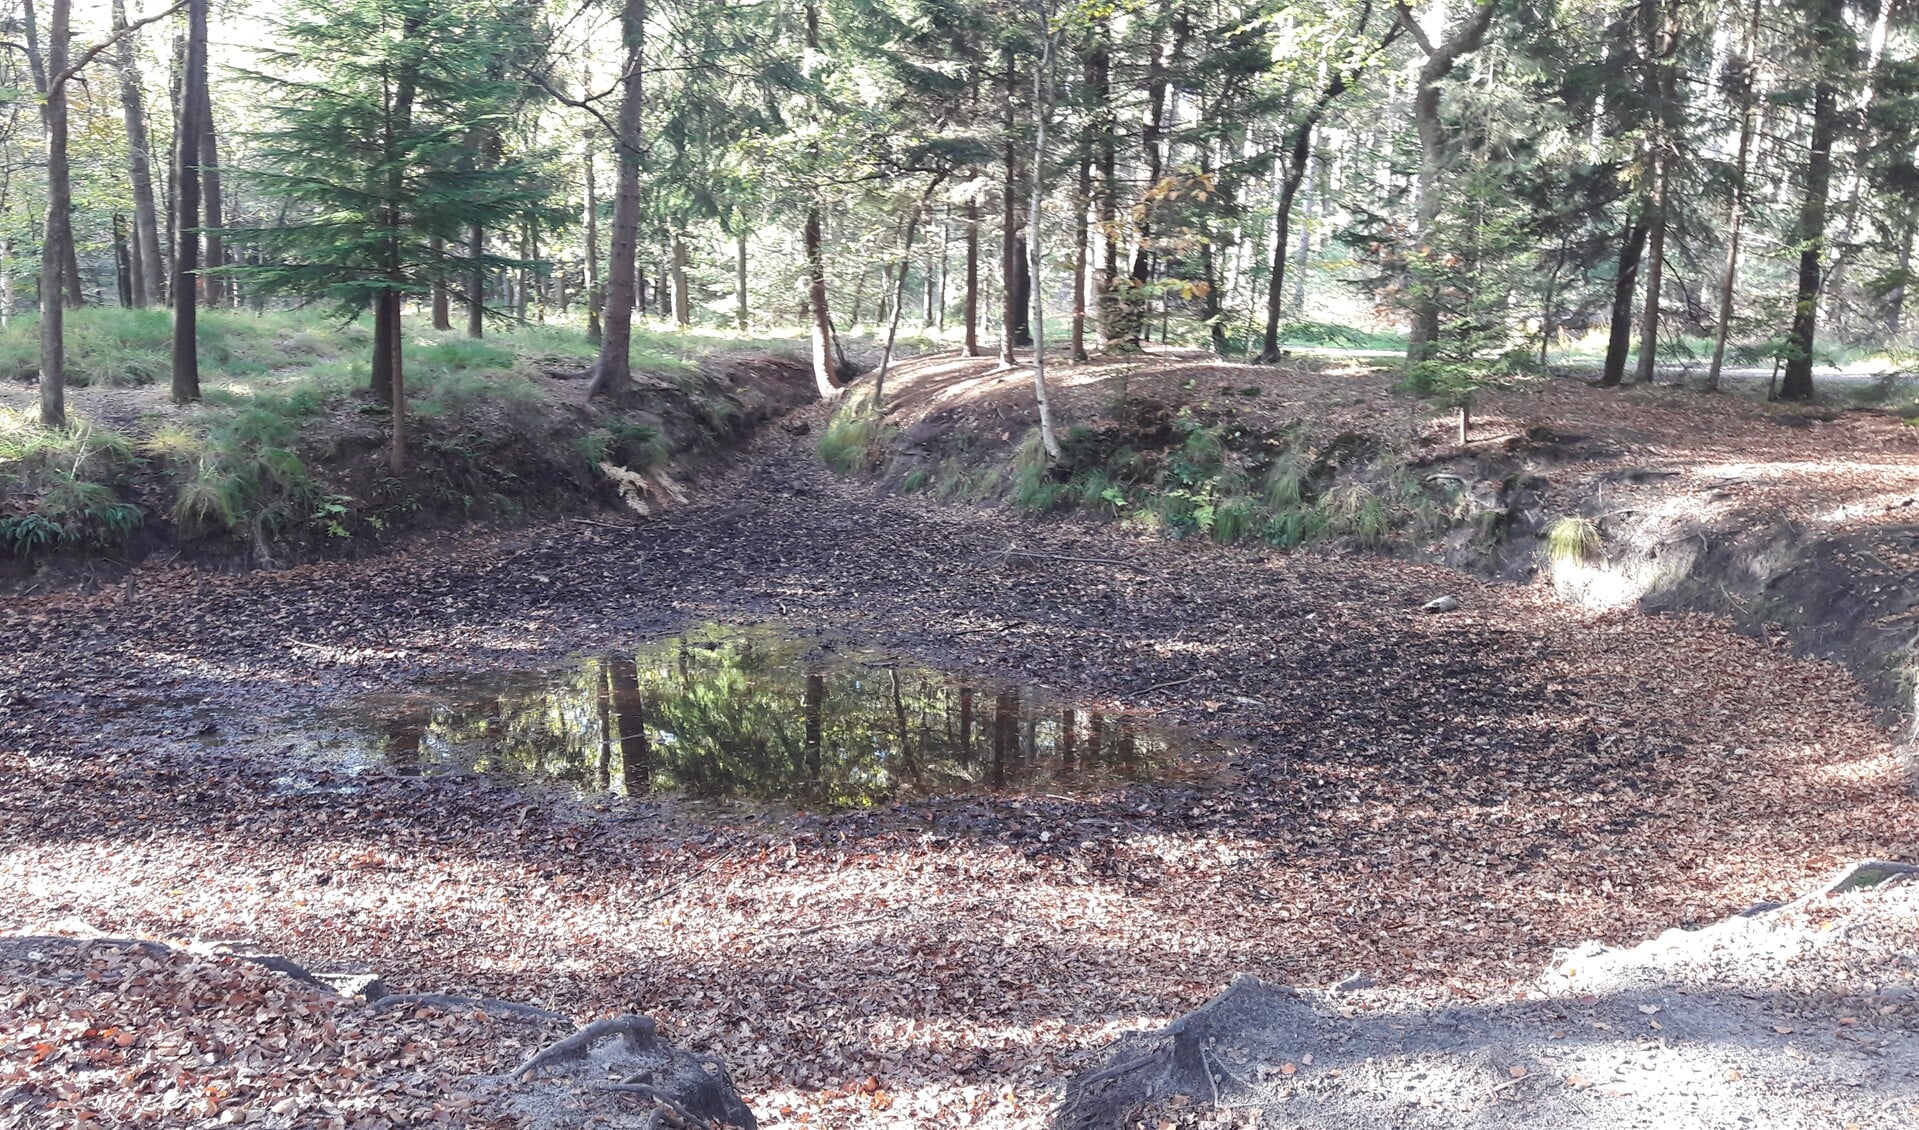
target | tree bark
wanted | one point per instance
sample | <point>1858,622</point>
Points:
<point>1662,31</point>
<point>442,302</point>
<point>150,267</point>
<point>682,300</point>
<point>1729,276</point>
<point>1082,238</point>
<point>1009,257</point>
<point>122,261</point>
<point>476,282</point>
<point>1106,276</point>
<point>215,289</point>
<point>1828,32</point>
<point>739,277</point>
<point>1440,60</point>
<point>591,271</point>
<point>1625,283</point>
<point>825,352</point>
<point>1036,280</point>
<point>187,154</point>
<point>970,346</point>
<point>615,367</point>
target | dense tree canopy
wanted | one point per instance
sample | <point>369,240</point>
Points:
<point>1497,180</point>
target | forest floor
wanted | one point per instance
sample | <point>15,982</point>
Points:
<point>1435,801</point>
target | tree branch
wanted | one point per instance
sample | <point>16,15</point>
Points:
<point>91,53</point>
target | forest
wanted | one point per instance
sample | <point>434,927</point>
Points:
<point>1015,563</point>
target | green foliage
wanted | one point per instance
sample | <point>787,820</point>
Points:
<point>59,488</point>
<point>384,119</point>
<point>855,437</point>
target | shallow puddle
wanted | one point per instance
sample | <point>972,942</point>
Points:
<point>756,714</point>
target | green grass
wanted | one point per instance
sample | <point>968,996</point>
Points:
<point>855,437</point>
<point>1573,539</point>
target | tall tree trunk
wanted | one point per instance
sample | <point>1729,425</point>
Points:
<point>825,352</point>
<point>1299,156</point>
<point>1896,301</point>
<point>1106,283</point>
<point>1729,276</point>
<point>215,290</point>
<point>1082,238</point>
<point>442,302</point>
<point>1135,314</point>
<point>476,281</point>
<point>187,154</point>
<point>1440,60</point>
<point>150,267</point>
<point>590,217</point>
<point>1009,258</point>
<point>1828,33</point>
<point>1662,32</point>
<point>899,293</point>
<point>682,300</point>
<point>970,346</point>
<point>1036,281</point>
<point>615,367</point>
<point>1625,283</point>
<point>122,261</point>
<point>739,277</point>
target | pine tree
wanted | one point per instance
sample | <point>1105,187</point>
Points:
<point>370,105</point>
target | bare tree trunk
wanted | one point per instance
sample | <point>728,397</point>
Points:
<point>899,293</point>
<point>1082,208</point>
<point>1106,276</point>
<point>1662,33</point>
<point>1042,109</point>
<point>682,301</point>
<point>615,368</point>
<point>1440,60</point>
<point>476,282</point>
<point>187,154</point>
<point>216,285</point>
<point>150,268</point>
<point>1828,33</point>
<point>1729,277</point>
<point>591,271</point>
<point>1625,283</point>
<point>122,261</point>
<point>970,346</point>
<point>1009,257</point>
<point>442,302</point>
<point>825,353</point>
<point>739,277</point>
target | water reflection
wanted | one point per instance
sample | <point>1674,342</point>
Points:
<point>727,712</point>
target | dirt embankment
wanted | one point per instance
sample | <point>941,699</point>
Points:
<point>302,474</point>
<point>1800,523</point>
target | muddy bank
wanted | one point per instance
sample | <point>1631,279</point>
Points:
<point>283,479</point>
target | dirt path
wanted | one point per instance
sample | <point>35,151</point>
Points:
<point>1436,801</point>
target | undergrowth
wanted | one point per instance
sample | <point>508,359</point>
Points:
<point>1210,479</point>
<point>286,440</point>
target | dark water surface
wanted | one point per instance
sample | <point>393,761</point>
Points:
<point>722,711</point>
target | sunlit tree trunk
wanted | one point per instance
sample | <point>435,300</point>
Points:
<point>1828,33</point>
<point>1439,61</point>
<point>590,218</point>
<point>215,290</point>
<point>615,367</point>
<point>442,301</point>
<point>476,282</point>
<point>1729,276</point>
<point>1625,283</point>
<point>682,300</point>
<point>149,266</point>
<point>188,150</point>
